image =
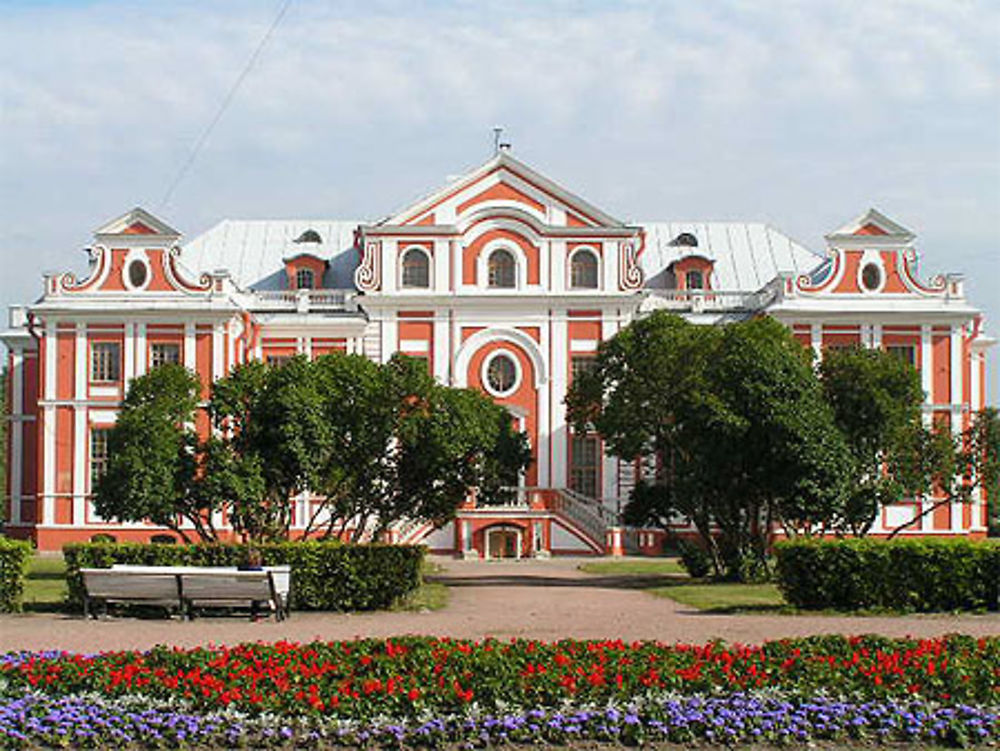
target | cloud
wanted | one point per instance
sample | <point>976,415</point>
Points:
<point>798,112</point>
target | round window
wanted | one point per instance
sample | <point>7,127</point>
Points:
<point>501,374</point>
<point>871,277</point>
<point>137,273</point>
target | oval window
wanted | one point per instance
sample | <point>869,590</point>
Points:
<point>871,277</point>
<point>137,273</point>
<point>501,375</point>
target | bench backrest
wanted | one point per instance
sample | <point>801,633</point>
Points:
<point>108,583</point>
<point>238,585</point>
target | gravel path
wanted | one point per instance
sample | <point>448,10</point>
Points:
<point>537,599</point>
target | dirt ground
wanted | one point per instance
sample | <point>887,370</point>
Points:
<point>534,599</point>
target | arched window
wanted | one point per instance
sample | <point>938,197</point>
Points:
<point>502,269</point>
<point>304,279</point>
<point>583,270</point>
<point>416,268</point>
<point>694,280</point>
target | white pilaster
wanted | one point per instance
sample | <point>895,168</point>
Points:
<point>439,264</point>
<point>557,262</point>
<point>927,368</point>
<point>79,463</point>
<point>389,250</point>
<point>190,354</point>
<point>544,419</point>
<point>80,363</point>
<point>816,340</point>
<point>49,459</point>
<point>16,431</point>
<point>218,354</point>
<point>560,365</point>
<point>141,359</point>
<point>876,335</point>
<point>129,365</point>
<point>441,354</point>
<point>956,365</point>
<point>390,331</point>
<point>49,390</point>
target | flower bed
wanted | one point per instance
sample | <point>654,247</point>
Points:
<point>427,690</point>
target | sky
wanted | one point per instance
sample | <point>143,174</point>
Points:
<point>801,114</point>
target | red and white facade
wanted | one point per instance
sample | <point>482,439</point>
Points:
<point>502,281</point>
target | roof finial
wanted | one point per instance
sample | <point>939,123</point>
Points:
<point>499,145</point>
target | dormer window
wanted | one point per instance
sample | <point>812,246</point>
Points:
<point>416,269</point>
<point>583,270</point>
<point>502,270</point>
<point>694,280</point>
<point>693,273</point>
<point>305,279</point>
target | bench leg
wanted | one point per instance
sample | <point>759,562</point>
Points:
<point>86,606</point>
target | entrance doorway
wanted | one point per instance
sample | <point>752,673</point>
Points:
<point>503,542</point>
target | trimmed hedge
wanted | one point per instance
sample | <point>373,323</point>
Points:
<point>325,575</point>
<point>922,575</point>
<point>14,557</point>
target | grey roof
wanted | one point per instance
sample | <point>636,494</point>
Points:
<point>746,255</point>
<point>253,251</point>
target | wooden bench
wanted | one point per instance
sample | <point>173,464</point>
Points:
<point>188,587</point>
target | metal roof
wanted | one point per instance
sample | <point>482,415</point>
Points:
<point>747,255</point>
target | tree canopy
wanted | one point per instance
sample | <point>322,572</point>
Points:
<point>735,424</point>
<point>369,445</point>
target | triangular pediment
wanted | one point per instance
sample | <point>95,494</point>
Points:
<point>137,221</point>
<point>872,223</point>
<point>503,179</point>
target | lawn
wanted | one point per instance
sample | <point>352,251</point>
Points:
<point>45,585</point>
<point>635,567</point>
<point>430,595</point>
<point>665,577</point>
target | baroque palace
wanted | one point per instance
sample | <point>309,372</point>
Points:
<point>503,281</point>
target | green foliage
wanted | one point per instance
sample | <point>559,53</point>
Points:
<point>14,558</point>
<point>734,421</point>
<point>695,559</point>
<point>923,575</point>
<point>152,454</point>
<point>325,575</point>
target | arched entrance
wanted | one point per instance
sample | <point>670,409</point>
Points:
<point>502,541</point>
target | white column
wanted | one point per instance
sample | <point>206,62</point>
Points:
<point>218,353</point>
<point>560,365</point>
<point>141,366</point>
<point>190,353</point>
<point>927,369</point>
<point>816,339</point>
<point>876,330</point>
<point>957,399</point>
<point>441,353</point>
<point>79,463</point>
<point>16,430</point>
<point>49,458</point>
<point>544,420</point>
<point>129,366</point>
<point>49,382</point>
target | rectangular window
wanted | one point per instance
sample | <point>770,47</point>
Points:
<point>98,454</point>
<point>584,467</point>
<point>905,352</point>
<point>580,364</point>
<point>163,353</point>
<point>276,361</point>
<point>105,362</point>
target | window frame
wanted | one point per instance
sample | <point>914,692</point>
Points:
<point>97,466</point>
<point>594,258</point>
<point>896,349</point>
<point>153,346</point>
<point>300,273</point>
<point>494,253</point>
<point>593,470</point>
<point>485,373</point>
<point>694,274</point>
<point>113,365</point>
<point>403,267</point>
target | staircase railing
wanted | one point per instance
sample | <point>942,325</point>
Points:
<point>590,515</point>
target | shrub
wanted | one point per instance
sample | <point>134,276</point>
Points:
<point>14,557</point>
<point>325,575</point>
<point>923,575</point>
<point>694,558</point>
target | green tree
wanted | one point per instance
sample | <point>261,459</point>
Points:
<point>876,400</point>
<point>949,467</point>
<point>734,422</point>
<point>153,455</point>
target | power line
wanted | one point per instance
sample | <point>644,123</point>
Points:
<point>225,104</point>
